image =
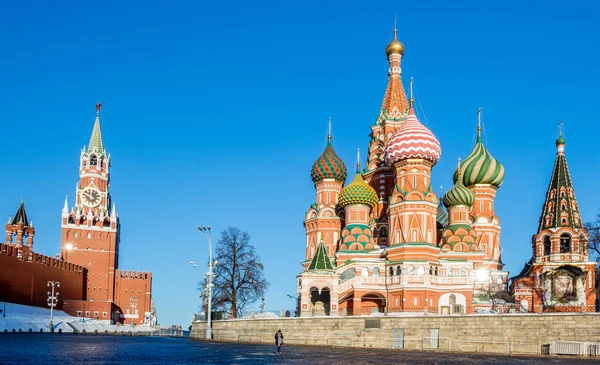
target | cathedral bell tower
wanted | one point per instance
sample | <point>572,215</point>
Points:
<point>90,230</point>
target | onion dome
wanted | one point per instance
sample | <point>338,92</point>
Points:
<point>560,140</point>
<point>412,140</point>
<point>459,194</point>
<point>480,167</point>
<point>395,46</point>
<point>358,192</point>
<point>329,165</point>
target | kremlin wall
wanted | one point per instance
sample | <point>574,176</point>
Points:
<point>25,275</point>
<point>91,283</point>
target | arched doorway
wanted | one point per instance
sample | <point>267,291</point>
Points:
<point>320,302</point>
<point>371,303</point>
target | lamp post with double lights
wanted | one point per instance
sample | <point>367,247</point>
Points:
<point>133,305</point>
<point>52,301</point>
<point>206,231</point>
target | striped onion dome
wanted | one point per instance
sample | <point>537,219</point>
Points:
<point>412,140</point>
<point>480,167</point>
<point>329,166</point>
<point>459,194</point>
<point>358,192</point>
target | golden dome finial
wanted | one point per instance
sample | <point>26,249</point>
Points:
<point>395,45</point>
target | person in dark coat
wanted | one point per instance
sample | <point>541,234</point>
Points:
<point>278,341</point>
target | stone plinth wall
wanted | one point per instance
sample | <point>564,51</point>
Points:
<point>518,333</point>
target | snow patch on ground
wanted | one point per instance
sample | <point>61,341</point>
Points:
<point>22,318</point>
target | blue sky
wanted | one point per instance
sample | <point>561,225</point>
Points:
<point>215,111</point>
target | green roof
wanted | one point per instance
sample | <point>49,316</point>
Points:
<point>21,216</point>
<point>321,260</point>
<point>560,199</point>
<point>96,144</point>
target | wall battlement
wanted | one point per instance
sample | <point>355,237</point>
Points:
<point>32,257</point>
<point>134,275</point>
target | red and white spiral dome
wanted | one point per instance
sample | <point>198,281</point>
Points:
<point>412,140</point>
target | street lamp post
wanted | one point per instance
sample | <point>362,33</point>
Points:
<point>133,305</point>
<point>206,231</point>
<point>52,301</point>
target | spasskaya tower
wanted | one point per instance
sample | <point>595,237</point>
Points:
<point>90,230</point>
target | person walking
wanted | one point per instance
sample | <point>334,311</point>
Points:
<point>278,341</point>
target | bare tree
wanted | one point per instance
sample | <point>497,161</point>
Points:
<point>593,243</point>
<point>497,296</point>
<point>239,275</point>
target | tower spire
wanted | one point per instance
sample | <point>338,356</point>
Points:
<point>560,208</point>
<point>560,128</point>
<point>560,141</point>
<point>411,101</point>
<point>479,123</point>
<point>329,132</point>
<point>96,144</point>
<point>66,206</point>
<point>394,102</point>
<point>21,215</point>
<point>358,161</point>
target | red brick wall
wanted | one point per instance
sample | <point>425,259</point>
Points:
<point>130,284</point>
<point>97,254</point>
<point>24,281</point>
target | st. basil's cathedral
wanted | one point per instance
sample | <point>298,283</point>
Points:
<point>387,243</point>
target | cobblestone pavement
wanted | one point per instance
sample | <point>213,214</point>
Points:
<point>356,356</point>
<point>42,349</point>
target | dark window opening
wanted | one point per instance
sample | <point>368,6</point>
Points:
<point>547,245</point>
<point>565,243</point>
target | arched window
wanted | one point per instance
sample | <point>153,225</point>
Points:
<point>436,271</point>
<point>375,271</point>
<point>430,270</point>
<point>391,271</point>
<point>565,243</point>
<point>93,160</point>
<point>547,245</point>
<point>452,299</point>
<point>398,270</point>
<point>383,232</point>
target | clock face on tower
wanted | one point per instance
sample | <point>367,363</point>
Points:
<point>90,197</point>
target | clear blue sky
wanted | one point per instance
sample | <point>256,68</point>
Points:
<point>215,111</point>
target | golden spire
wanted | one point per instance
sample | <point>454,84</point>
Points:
<point>395,46</point>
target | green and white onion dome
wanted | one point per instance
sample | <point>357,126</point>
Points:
<point>459,195</point>
<point>480,167</point>
<point>358,192</point>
